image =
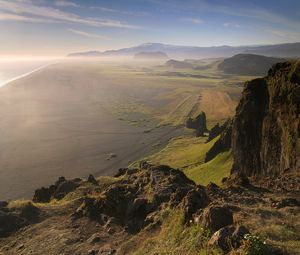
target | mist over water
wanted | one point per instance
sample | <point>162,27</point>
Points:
<point>11,69</point>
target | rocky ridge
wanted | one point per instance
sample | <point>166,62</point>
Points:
<point>100,215</point>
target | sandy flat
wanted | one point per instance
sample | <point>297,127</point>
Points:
<point>55,122</point>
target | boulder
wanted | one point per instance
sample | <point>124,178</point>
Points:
<point>59,190</point>
<point>216,217</point>
<point>64,188</point>
<point>123,171</point>
<point>28,212</point>
<point>285,202</point>
<point>13,219</point>
<point>194,200</point>
<point>3,204</point>
<point>91,179</point>
<point>89,208</point>
<point>10,222</point>
<point>228,237</point>
<point>42,195</point>
<point>236,179</point>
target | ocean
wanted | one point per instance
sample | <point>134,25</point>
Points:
<point>11,69</point>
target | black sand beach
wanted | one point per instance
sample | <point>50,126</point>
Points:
<point>55,122</point>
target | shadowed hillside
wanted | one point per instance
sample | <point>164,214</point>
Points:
<point>248,64</point>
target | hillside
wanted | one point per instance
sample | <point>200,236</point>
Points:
<point>156,209</point>
<point>248,64</point>
<point>288,50</point>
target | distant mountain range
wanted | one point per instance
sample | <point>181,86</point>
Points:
<point>287,50</point>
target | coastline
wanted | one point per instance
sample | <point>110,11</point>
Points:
<point>2,84</point>
<point>58,126</point>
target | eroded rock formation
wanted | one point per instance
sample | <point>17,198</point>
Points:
<point>198,123</point>
<point>217,130</point>
<point>266,128</point>
<point>222,144</point>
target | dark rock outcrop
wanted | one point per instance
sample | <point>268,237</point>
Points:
<point>193,201</point>
<point>135,201</point>
<point>216,217</point>
<point>91,179</point>
<point>222,144</point>
<point>217,130</point>
<point>3,204</point>
<point>266,128</point>
<point>59,190</point>
<point>12,219</point>
<point>236,179</point>
<point>293,202</point>
<point>10,222</point>
<point>228,237</point>
<point>198,123</point>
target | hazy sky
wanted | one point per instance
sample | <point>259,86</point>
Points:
<point>55,28</point>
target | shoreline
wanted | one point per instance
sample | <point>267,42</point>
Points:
<point>6,82</point>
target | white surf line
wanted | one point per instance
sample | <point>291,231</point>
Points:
<point>26,74</point>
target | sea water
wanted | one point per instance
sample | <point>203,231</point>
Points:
<point>11,69</point>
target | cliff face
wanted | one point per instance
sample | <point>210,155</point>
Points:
<point>266,128</point>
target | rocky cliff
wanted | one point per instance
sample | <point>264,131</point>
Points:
<point>266,128</point>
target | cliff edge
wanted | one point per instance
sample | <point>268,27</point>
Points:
<point>266,128</point>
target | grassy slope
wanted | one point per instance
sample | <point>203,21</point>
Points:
<point>212,171</point>
<point>174,238</point>
<point>188,153</point>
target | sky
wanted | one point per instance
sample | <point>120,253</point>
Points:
<point>58,27</point>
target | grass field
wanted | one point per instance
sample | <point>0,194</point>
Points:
<point>187,153</point>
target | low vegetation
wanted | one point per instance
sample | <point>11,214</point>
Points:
<point>175,237</point>
<point>188,153</point>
